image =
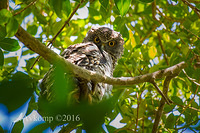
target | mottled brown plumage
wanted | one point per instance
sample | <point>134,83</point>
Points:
<point>98,52</point>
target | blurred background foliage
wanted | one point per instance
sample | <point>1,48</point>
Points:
<point>157,34</point>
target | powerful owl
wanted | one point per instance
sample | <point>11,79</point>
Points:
<point>98,52</point>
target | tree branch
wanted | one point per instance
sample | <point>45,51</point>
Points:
<point>196,10</point>
<point>66,22</point>
<point>33,2</point>
<point>162,103</point>
<point>49,55</point>
<point>168,101</point>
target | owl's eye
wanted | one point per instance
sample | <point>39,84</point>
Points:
<point>96,39</point>
<point>111,43</point>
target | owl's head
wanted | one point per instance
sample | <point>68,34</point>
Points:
<point>107,40</point>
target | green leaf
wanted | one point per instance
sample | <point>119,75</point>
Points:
<point>111,129</point>
<point>1,59</point>
<point>18,89</point>
<point>57,6</point>
<point>168,108</point>
<point>32,29</point>
<point>152,51</point>
<point>32,106</point>
<point>67,7</point>
<point>2,32</point>
<point>10,62</point>
<point>5,15</point>
<point>119,25</point>
<point>177,100</point>
<point>170,122</point>
<point>12,27</point>
<point>9,44</point>
<point>146,1</point>
<point>40,17</point>
<point>122,6</point>
<point>104,3</point>
<point>18,127</point>
<point>39,128</point>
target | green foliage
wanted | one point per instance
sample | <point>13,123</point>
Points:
<point>18,127</point>
<point>61,5</point>
<point>9,44</point>
<point>5,15</point>
<point>157,35</point>
<point>2,32</point>
<point>16,90</point>
<point>1,59</point>
<point>122,6</point>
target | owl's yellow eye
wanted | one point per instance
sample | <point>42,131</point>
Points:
<point>96,39</point>
<point>111,43</point>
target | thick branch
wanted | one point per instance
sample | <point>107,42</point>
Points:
<point>36,46</point>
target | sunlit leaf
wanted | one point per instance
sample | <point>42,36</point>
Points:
<point>12,27</point>
<point>5,15</point>
<point>166,37</point>
<point>67,7</point>
<point>152,52</point>
<point>40,17</point>
<point>57,6</point>
<point>9,44</point>
<point>123,6</point>
<point>17,2</point>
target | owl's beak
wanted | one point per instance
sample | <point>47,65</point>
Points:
<point>102,47</point>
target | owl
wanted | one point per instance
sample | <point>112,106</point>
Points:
<point>99,52</point>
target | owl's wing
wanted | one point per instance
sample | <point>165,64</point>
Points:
<point>86,55</point>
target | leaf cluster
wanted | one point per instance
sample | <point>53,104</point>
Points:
<point>157,34</point>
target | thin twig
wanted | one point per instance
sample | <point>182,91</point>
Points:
<point>196,10</point>
<point>33,2</point>
<point>162,48</point>
<point>168,101</point>
<point>190,32</point>
<point>149,33</point>
<point>54,38</point>
<point>193,80</point>
<point>169,18</point>
<point>188,125</point>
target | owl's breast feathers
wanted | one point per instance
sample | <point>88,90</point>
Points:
<point>88,56</point>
